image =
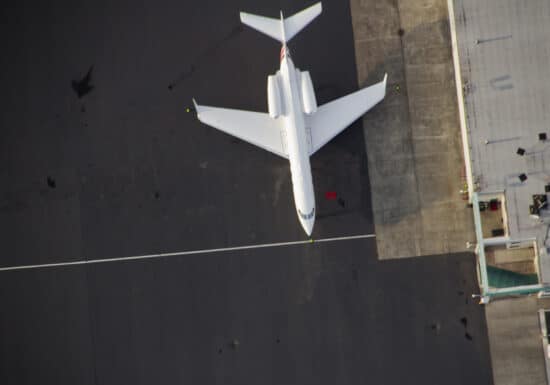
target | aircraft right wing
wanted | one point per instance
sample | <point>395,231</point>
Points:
<point>333,117</point>
<point>253,127</point>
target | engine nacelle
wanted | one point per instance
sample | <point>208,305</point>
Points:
<point>309,103</point>
<point>274,102</point>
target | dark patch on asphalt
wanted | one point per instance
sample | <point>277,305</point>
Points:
<point>464,322</point>
<point>83,87</point>
<point>51,182</point>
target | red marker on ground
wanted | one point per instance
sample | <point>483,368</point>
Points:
<point>330,195</point>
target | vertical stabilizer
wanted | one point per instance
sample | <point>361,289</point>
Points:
<point>283,33</point>
<point>282,29</point>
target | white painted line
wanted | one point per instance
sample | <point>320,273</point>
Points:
<point>179,253</point>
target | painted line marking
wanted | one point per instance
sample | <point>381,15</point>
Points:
<point>192,252</point>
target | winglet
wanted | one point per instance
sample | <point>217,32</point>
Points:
<point>283,33</point>
<point>196,105</point>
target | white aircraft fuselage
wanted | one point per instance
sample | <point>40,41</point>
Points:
<point>298,143</point>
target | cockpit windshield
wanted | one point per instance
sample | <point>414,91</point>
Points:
<point>307,216</point>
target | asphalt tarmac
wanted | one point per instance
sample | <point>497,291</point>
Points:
<point>99,159</point>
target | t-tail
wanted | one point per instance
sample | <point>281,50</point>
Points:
<point>282,29</point>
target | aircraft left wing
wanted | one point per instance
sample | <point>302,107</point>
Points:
<point>332,118</point>
<point>253,127</point>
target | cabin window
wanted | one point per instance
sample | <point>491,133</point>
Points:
<point>307,216</point>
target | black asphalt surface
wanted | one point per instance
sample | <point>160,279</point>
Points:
<point>99,159</point>
<point>134,172</point>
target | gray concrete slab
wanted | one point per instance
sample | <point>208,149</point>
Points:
<point>515,339</point>
<point>413,137</point>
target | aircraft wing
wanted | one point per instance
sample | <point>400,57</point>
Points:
<point>333,117</point>
<point>253,127</point>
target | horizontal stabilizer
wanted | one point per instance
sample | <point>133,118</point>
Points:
<point>282,29</point>
<point>297,22</point>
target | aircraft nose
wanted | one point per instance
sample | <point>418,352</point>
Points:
<point>308,226</point>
